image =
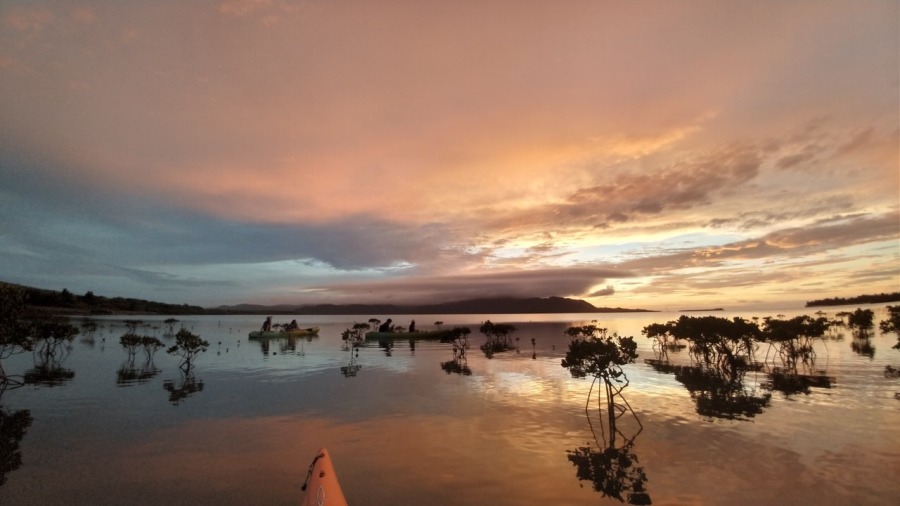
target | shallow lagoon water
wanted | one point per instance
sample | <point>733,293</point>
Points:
<point>244,427</point>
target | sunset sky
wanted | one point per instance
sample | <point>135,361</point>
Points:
<point>652,154</point>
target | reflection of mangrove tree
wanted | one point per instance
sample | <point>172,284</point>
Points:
<point>129,372</point>
<point>498,337</point>
<point>52,338</point>
<point>13,426</point>
<point>717,393</point>
<point>88,329</point>
<point>352,369</point>
<point>460,341</point>
<point>613,471</point>
<point>611,466</point>
<point>721,353</point>
<point>186,386</point>
<point>286,344</point>
<point>170,326</point>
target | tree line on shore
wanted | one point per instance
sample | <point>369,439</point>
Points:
<point>66,302</point>
<point>880,298</point>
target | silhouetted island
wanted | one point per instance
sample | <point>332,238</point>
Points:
<point>880,298</point>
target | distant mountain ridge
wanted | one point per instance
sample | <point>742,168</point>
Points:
<point>496,305</point>
<point>65,302</point>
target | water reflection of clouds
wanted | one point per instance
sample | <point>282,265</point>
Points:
<point>406,427</point>
<point>208,461</point>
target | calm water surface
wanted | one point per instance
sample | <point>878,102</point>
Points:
<point>244,426</point>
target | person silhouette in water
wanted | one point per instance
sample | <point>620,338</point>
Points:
<point>386,326</point>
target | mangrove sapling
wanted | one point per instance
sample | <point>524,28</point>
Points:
<point>15,332</point>
<point>88,328</point>
<point>151,345</point>
<point>860,322</point>
<point>892,324</point>
<point>794,339</point>
<point>459,338</point>
<point>188,346</point>
<point>170,325</point>
<point>498,337</point>
<point>354,336</point>
<point>133,325</point>
<point>130,342</point>
<point>718,342</point>
<point>52,335</point>
<point>663,339</point>
<point>593,352</point>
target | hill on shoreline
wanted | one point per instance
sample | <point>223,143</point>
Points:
<point>498,305</point>
<point>41,300</point>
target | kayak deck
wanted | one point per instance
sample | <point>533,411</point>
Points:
<point>321,487</point>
